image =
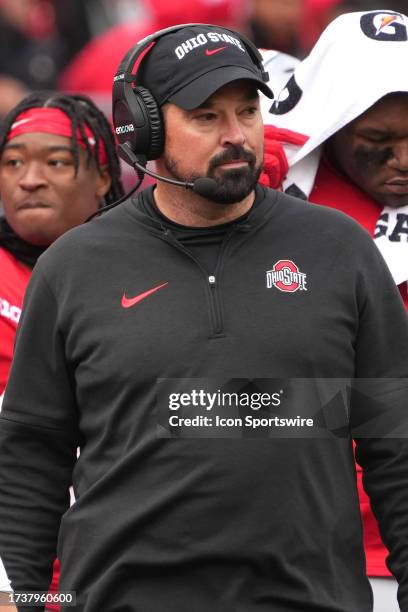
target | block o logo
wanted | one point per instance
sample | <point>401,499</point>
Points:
<point>384,26</point>
<point>285,276</point>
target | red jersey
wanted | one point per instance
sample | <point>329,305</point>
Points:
<point>333,191</point>
<point>14,277</point>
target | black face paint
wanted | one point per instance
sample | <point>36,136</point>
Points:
<point>370,158</point>
<point>369,173</point>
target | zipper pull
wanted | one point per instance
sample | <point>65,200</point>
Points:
<point>211,280</point>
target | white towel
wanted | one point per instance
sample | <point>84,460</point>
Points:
<point>358,59</point>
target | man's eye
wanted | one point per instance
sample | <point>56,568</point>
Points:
<point>206,117</point>
<point>251,110</point>
<point>59,163</point>
<point>376,137</point>
<point>12,162</point>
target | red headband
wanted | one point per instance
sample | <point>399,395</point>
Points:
<point>52,121</point>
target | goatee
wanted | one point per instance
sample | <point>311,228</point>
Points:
<point>233,185</point>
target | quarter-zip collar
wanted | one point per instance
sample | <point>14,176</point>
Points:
<point>257,216</point>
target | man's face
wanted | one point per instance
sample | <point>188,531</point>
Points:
<point>222,139</point>
<point>372,150</point>
<point>41,194</point>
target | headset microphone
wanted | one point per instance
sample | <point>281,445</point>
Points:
<point>204,187</point>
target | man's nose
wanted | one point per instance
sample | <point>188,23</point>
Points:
<point>399,159</point>
<point>33,177</point>
<point>232,133</point>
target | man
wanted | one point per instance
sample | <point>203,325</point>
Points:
<point>342,114</point>
<point>51,179</point>
<point>173,312</point>
<point>351,154</point>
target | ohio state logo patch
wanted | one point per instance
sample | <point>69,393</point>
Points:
<point>286,276</point>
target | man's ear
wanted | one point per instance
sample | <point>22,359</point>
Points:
<point>103,183</point>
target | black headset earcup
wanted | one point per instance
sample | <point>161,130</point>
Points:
<point>155,123</point>
<point>137,120</point>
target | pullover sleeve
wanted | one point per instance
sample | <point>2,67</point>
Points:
<point>379,409</point>
<point>38,444</point>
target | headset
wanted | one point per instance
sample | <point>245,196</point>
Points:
<point>137,117</point>
<point>138,121</point>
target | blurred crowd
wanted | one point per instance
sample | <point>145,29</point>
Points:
<point>76,45</point>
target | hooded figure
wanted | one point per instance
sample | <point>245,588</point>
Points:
<point>356,63</point>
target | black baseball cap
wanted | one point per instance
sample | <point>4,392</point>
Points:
<point>187,66</point>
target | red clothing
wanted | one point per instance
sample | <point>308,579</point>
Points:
<point>332,190</point>
<point>14,277</point>
<point>53,588</point>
